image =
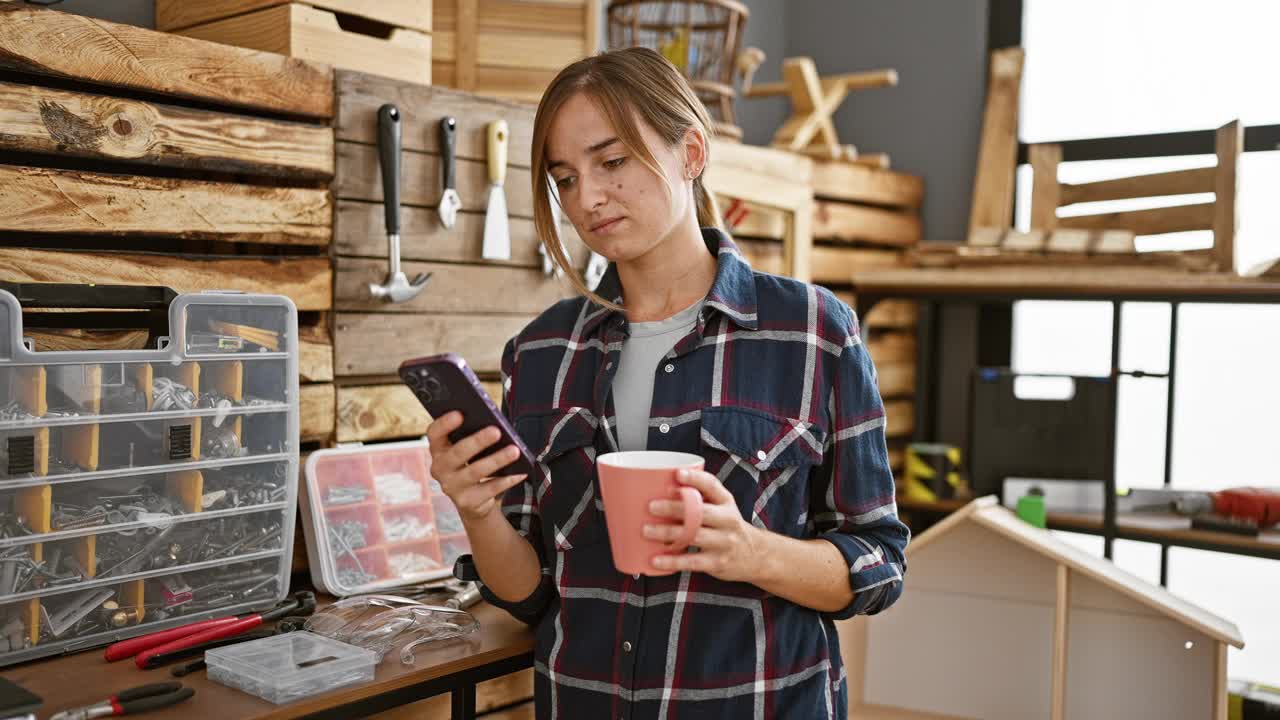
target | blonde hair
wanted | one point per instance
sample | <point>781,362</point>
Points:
<point>620,82</point>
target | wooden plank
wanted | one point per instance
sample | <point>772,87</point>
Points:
<point>1221,688</point>
<point>992,204</point>
<point>376,344</point>
<point>312,34</point>
<point>1177,182</point>
<point>1154,221</point>
<point>383,412</point>
<point>359,229</point>
<point>862,223</point>
<point>754,220</point>
<point>854,182</point>
<point>828,265</point>
<point>897,347</point>
<point>1055,281</point>
<point>44,200</point>
<point>1229,143</point>
<point>316,411</point>
<point>1061,610</point>
<point>306,281</point>
<point>1046,193</point>
<point>890,314</point>
<point>896,379</point>
<point>503,48</point>
<point>552,17</point>
<point>50,121</point>
<point>899,418</point>
<point>361,94</point>
<point>315,360</point>
<point>520,85</point>
<point>485,289</point>
<point>497,693</point>
<point>178,14</point>
<point>78,339</point>
<point>359,178</point>
<point>785,167</point>
<point>466,41</point>
<point>82,48</point>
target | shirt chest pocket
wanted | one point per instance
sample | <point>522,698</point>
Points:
<point>563,447</point>
<point>766,462</point>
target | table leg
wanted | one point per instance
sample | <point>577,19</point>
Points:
<point>464,702</point>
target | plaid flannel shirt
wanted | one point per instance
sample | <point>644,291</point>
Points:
<point>774,388</point>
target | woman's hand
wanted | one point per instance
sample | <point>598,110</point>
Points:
<point>471,486</point>
<point>730,548</point>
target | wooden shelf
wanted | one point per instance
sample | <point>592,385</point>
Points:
<point>1160,528</point>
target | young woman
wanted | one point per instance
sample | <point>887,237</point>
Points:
<point>683,347</point>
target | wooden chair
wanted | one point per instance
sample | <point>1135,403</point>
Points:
<point>1048,194</point>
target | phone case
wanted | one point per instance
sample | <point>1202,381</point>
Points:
<point>443,383</point>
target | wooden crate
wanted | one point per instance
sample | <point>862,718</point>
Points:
<point>510,48</point>
<point>471,306</point>
<point>174,15</point>
<point>864,218</point>
<point>348,34</point>
<point>139,165</point>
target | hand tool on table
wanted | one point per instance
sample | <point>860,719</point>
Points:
<point>134,700</point>
<point>1260,506</point>
<point>198,650</point>
<point>299,603</point>
<point>497,238</point>
<point>449,201</point>
<point>397,288</point>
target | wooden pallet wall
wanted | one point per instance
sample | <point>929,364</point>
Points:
<point>133,157</point>
<point>471,306</point>
<point>864,218</point>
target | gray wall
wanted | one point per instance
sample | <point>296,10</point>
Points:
<point>930,123</point>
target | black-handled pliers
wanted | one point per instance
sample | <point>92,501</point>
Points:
<point>133,700</point>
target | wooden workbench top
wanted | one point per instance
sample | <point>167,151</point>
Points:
<point>85,678</point>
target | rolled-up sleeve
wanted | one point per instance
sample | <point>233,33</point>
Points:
<point>520,507</point>
<point>852,493</point>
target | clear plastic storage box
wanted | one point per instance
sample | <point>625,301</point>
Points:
<point>374,518</point>
<point>289,667</point>
<point>142,489</point>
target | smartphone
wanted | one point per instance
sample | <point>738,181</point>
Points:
<point>443,384</point>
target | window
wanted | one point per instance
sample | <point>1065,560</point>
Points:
<point>1098,69</point>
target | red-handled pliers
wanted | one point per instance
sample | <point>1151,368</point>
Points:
<point>133,700</point>
<point>133,646</point>
<point>303,603</point>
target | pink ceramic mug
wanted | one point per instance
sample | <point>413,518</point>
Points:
<point>629,481</point>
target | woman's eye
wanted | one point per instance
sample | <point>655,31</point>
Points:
<point>615,163</point>
<point>565,182</point>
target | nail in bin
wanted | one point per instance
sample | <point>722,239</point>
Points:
<point>374,518</point>
<point>143,489</point>
<point>291,666</point>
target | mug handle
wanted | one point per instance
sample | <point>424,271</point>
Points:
<point>692,518</point>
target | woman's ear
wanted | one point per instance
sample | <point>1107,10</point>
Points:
<point>695,153</point>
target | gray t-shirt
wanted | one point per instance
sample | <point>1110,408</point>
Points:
<point>633,383</point>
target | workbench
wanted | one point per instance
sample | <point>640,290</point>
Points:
<point>502,646</point>
<point>1004,285</point>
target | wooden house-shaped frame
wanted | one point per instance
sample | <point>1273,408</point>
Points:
<point>1001,620</point>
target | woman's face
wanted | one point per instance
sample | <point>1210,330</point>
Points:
<point>619,208</point>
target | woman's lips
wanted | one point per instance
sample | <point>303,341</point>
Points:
<point>607,226</point>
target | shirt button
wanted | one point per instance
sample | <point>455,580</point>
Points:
<point>761,454</point>
<point>664,428</point>
<point>636,576</point>
<point>626,646</point>
<point>670,368</point>
<point>608,365</point>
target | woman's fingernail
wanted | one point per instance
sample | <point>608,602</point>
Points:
<point>655,506</point>
<point>661,561</point>
<point>683,474</point>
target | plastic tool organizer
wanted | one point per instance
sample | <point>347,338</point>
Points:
<point>375,518</point>
<point>143,489</point>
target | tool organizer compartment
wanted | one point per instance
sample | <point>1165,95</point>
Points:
<point>375,518</point>
<point>140,489</point>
